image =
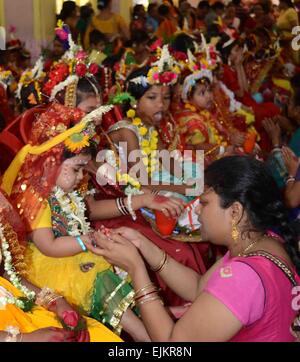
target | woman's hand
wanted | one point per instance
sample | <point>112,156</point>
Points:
<point>291,161</point>
<point>117,250</point>
<point>273,130</point>
<point>170,206</point>
<point>50,334</point>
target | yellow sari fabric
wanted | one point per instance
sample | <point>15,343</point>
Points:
<point>40,318</point>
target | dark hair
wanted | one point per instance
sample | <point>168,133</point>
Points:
<point>137,90</point>
<point>236,2</point>
<point>86,12</point>
<point>96,37</point>
<point>67,10</point>
<point>203,81</point>
<point>182,42</point>
<point>218,6</point>
<point>103,4</point>
<point>86,86</point>
<point>137,8</point>
<point>289,3</point>
<point>26,91</point>
<point>203,5</point>
<point>248,181</point>
<point>140,37</point>
<point>151,6</point>
<point>163,10</point>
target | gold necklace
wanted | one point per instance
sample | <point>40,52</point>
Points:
<point>250,246</point>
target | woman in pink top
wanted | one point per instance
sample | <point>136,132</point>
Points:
<point>245,296</point>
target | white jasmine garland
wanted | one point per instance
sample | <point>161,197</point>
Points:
<point>59,87</point>
<point>7,298</point>
<point>73,206</point>
<point>234,104</point>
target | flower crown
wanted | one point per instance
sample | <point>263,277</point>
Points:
<point>34,75</point>
<point>164,71</point>
<point>6,78</point>
<point>78,141</point>
<point>73,65</point>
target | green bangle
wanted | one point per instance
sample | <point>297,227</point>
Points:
<point>81,243</point>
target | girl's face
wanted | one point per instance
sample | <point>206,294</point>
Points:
<point>154,104</point>
<point>216,222</point>
<point>71,172</point>
<point>90,103</point>
<point>203,96</point>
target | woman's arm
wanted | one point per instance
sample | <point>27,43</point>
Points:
<point>50,246</point>
<point>206,320</point>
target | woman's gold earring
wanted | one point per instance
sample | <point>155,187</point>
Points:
<point>235,232</point>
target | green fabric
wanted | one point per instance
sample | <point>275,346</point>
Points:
<point>105,284</point>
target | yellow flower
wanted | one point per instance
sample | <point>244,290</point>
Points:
<point>77,142</point>
<point>143,131</point>
<point>131,113</point>
<point>154,133</point>
<point>145,143</point>
<point>137,121</point>
<point>147,150</point>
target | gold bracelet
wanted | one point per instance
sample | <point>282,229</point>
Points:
<point>164,263</point>
<point>146,292</point>
<point>46,297</point>
<point>144,288</point>
<point>156,269</point>
<point>149,300</point>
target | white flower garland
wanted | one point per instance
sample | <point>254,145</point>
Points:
<point>6,297</point>
<point>59,87</point>
<point>234,105</point>
<point>73,206</point>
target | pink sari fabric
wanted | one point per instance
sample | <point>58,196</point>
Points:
<point>259,294</point>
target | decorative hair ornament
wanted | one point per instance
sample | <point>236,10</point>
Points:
<point>73,65</point>
<point>78,141</point>
<point>33,75</point>
<point>165,71</point>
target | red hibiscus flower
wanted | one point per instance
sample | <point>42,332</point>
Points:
<point>81,70</point>
<point>94,68</point>
<point>167,77</point>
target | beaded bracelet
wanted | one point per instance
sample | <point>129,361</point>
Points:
<point>81,243</point>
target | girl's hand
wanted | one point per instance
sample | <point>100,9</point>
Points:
<point>291,161</point>
<point>117,250</point>
<point>170,206</point>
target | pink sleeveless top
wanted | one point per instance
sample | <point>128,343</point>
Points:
<point>261,300</point>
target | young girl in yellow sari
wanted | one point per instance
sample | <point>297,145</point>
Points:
<point>24,315</point>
